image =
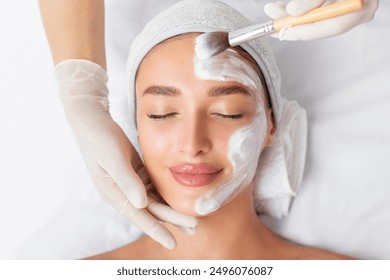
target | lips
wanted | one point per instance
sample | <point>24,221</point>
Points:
<point>194,175</point>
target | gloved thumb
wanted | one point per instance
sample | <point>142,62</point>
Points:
<point>129,182</point>
<point>300,7</point>
<point>275,10</point>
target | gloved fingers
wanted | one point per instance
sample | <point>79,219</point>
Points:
<point>108,188</point>
<point>127,180</point>
<point>275,10</point>
<point>300,7</point>
<point>369,9</point>
<point>187,230</point>
<point>165,213</point>
<point>323,29</point>
<point>145,221</point>
<point>144,176</point>
<point>320,30</point>
<point>149,225</point>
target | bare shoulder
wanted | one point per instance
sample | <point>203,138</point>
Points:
<point>300,252</point>
<point>132,251</point>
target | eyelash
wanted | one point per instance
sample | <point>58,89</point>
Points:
<point>170,115</point>
<point>161,117</point>
<point>233,117</point>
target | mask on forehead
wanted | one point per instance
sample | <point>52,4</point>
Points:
<point>227,66</point>
<point>246,143</point>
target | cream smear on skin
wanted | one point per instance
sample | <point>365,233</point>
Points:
<point>245,144</point>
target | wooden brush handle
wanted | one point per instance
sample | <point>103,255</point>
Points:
<point>322,13</point>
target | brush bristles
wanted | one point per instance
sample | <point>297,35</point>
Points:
<point>211,44</point>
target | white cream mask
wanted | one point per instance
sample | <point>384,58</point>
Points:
<point>227,66</point>
<point>246,143</point>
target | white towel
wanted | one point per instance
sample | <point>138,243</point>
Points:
<point>280,168</point>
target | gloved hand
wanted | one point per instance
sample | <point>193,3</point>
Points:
<point>318,30</point>
<point>112,162</point>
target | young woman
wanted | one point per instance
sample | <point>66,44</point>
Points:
<point>201,127</point>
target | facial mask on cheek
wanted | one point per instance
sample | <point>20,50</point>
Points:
<point>246,143</point>
<point>243,152</point>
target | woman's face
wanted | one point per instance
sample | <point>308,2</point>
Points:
<point>184,123</point>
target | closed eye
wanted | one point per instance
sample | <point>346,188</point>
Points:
<point>161,116</point>
<point>228,116</point>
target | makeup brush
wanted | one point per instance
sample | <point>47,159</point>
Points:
<point>213,43</point>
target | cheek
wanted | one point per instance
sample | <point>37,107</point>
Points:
<point>221,137</point>
<point>152,139</point>
<point>155,141</point>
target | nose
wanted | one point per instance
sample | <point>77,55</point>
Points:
<point>195,138</point>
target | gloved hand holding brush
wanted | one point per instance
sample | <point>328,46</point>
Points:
<point>322,29</point>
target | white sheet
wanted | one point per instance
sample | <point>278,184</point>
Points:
<point>47,201</point>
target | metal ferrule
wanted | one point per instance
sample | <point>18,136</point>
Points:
<point>249,33</point>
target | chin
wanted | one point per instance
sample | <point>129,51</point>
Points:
<point>181,198</point>
<point>183,205</point>
<point>187,211</point>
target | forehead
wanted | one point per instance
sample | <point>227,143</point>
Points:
<point>187,39</point>
<point>172,63</point>
<point>174,51</point>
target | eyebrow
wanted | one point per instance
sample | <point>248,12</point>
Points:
<point>162,90</point>
<point>212,92</point>
<point>228,90</point>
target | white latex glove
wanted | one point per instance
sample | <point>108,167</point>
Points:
<point>112,162</point>
<point>318,30</point>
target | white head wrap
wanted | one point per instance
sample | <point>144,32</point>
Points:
<point>280,168</point>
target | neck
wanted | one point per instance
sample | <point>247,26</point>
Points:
<point>232,232</point>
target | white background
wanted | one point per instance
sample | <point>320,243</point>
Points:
<point>37,152</point>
